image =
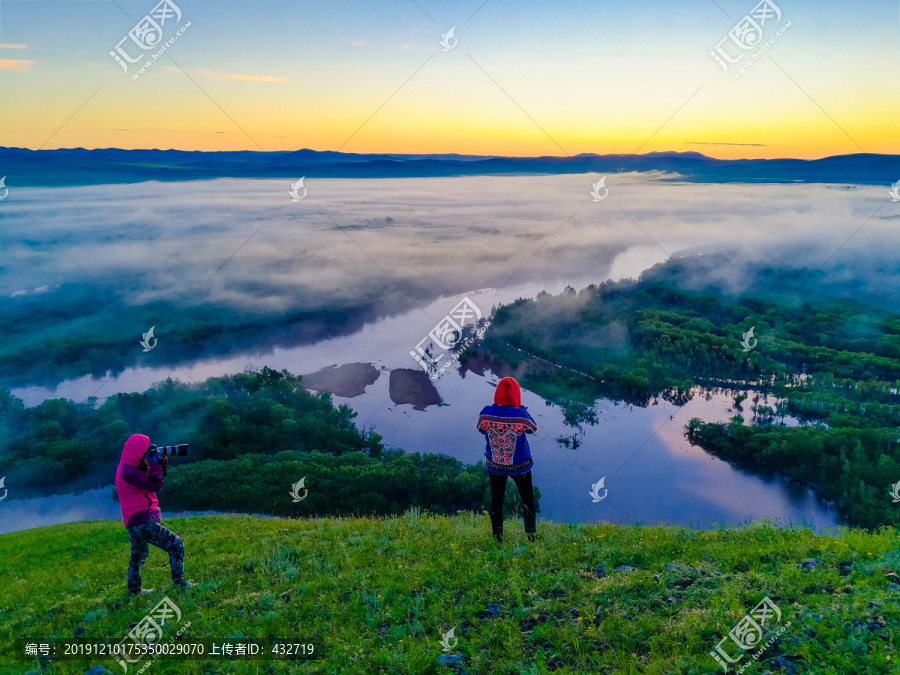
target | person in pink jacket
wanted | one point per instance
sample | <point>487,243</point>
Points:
<point>137,482</point>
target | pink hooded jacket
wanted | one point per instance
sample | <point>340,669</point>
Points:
<point>136,489</point>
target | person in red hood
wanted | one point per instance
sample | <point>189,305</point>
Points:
<point>504,425</point>
<point>137,482</point>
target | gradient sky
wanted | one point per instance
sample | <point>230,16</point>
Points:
<point>525,78</point>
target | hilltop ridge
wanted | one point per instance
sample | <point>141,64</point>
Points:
<point>381,594</point>
<point>78,166</point>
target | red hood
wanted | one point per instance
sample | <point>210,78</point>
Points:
<point>134,449</point>
<point>508,393</point>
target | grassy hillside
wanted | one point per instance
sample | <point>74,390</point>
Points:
<point>379,593</point>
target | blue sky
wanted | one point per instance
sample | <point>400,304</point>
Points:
<point>525,78</point>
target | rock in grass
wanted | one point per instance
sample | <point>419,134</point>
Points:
<point>625,568</point>
<point>600,571</point>
<point>449,659</point>
<point>96,670</point>
<point>681,568</point>
<point>79,631</point>
<point>893,587</point>
<point>492,609</point>
<point>808,563</point>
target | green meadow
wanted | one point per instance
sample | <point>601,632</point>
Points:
<point>378,594</point>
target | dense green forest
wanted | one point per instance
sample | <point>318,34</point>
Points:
<point>252,436</point>
<point>834,366</point>
<point>346,485</point>
<point>854,466</point>
<point>82,330</point>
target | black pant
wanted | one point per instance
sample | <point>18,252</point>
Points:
<point>498,491</point>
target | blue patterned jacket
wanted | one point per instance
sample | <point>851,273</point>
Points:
<point>506,448</point>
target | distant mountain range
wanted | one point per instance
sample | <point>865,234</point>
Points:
<point>77,166</point>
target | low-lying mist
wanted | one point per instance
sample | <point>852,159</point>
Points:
<point>218,264</point>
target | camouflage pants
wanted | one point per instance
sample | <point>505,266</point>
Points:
<point>141,537</point>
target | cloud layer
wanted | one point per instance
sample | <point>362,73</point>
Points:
<point>245,244</point>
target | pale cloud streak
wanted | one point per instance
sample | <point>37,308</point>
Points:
<point>20,65</point>
<point>255,78</point>
<point>236,76</point>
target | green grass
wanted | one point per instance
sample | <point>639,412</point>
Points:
<point>378,593</point>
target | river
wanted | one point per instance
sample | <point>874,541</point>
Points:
<point>651,473</point>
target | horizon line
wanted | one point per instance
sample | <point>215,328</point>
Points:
<point>457,154</point>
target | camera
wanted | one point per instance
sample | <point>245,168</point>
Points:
<point>154,453</point>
